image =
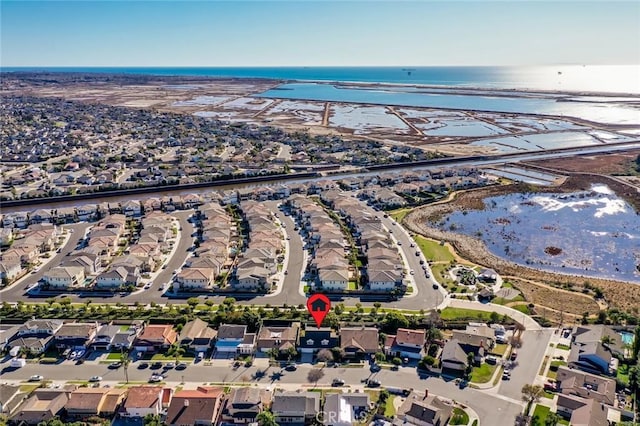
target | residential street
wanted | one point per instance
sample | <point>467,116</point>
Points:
<point>493,409</point>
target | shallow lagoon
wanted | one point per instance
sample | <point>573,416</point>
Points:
<point>605,112</point>
<point>597,233</point>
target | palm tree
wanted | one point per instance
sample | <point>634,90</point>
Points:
<point>176,350</point>
<point>607,340</point>
<point>266,418</point>
<point>124,359</point>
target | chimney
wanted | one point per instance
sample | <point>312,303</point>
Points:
<point>426,393</point>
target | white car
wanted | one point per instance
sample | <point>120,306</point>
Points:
<point>95,379</point>
<point>36,378</point>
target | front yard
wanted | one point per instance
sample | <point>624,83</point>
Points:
<point>483,373</point>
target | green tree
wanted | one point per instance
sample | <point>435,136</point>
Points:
<point>531,394</point>
<point>266,418</point>
<point>552,419</point>
<point>324,355</point>
<point>192,302</point>
<point>315,375</point>
<point>393,321</point>
<point>176,350</point>
<point>152,420</point>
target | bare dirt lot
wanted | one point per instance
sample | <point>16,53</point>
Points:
<point>618,294</point>
<point>618,163</point>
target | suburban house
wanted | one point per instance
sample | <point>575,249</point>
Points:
<point>64,276</point>
<point>592,357</point>
<point>426,410</point>
<point>333,279</point>
<point>244,404</point>
<point>144,400</point>
<point>593,349</point>
<point>75,336</point>
<point>9,271</point>
<point>314,340</point>
<point>295,408</point>
<point>104,337</point>
<point>42,406</point>
<point>345,409</point>
<point>155,337</point>
<point>406,343</point>
<point>199,407</point>
<point>197,336</point>
<point>87,402</point>
<point>453,356</point>
<point>582,412</point>
<point>233,339</point>
<point>10,398</point>
<point>253,278</point>
<point>35,336</point>
<point>113,278</point>
<point>200,278</point>
<point>280,337</point>
<point>479,341</point>
<point>586,385</point>
<point>359,341</point>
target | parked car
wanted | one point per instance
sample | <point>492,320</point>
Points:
<point>506,375</point>
<point>95,379</point>
<point>115,365</point>
<point>514,355</point>
<point>550,386</point>
<point>169,365</point>
<point>337,382</point>
<point>155,378</point>
<point>181,366</point>
<point>373,383</point>
<point>291,367</point>
<point>143,365</point>
<point>36,378</point>
<point>491,359</point>
<point>156,365</point>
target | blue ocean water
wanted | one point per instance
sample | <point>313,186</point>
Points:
<point>588,78</point>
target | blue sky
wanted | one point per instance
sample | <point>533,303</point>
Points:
<point>321,33</point>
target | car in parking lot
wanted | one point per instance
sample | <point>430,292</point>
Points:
<point>169,365</point>
<point>36,378</point>
<point>337,382</point>
<point>372,383</point>
<point>143,365</point>
<point>115,365</point>
<point>156,365</point>
<point>95,379</point>
<point>181,366</point>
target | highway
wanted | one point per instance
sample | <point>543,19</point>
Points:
<point>8,207</point>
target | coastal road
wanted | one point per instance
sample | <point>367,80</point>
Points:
<point>495,410</point>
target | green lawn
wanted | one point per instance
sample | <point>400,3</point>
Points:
<point>623,374</point>
<point>499,349</point>
<point>29,388</point>
<point>439,273</point>
<point>124,328</point>
<point>561,346</point>
<point>398,214</point>
<point>459,417</point>
<point>389,409</point>
<point>114,356</point>
<point>172,358</point>
<point>460,313</point>
<point>549,395</point>
<point>544,365</point>
<point>483,373</point>
<point>433,250</point>
<point>541,412</point>
<point>522,308</point>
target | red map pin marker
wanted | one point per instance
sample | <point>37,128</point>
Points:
<point>318,306</point>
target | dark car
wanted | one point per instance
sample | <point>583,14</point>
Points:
<point>181,366</point>
<point>375,367</point>
<point>115,365</point>
<point>337,382</point>
<point>156,365</point>
<point>373,383</point>
<point>291,367</point>
<point>435,286</point>
<point>143,365</point>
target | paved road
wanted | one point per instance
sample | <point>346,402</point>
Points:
<point>17,291</point>
<point>530,355</point>
<point>494,410</point>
